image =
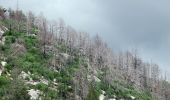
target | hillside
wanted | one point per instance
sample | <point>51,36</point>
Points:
<point>52,61</point>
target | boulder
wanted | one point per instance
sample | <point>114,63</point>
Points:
<point>32,82</point>
<point>18,49</point>
<point>34,94</point>
<point>101,97</point>
<point>112,99</point>
<point>132,97</point>
<point>62,58</point>
<point>2,41</point>
<point>97,79</point>
<point>1,72</point>
<point>24,75</point>
<point>44,81</point>
<point>3,63</point>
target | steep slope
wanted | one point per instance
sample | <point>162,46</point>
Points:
<point>39,62</point>
<point>29,75</point>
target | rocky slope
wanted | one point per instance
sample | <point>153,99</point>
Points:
<point>37,64</point>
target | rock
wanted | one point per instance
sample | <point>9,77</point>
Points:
<point>89,78</point>
<point>29,72</point>
<point>18,49</point>
<point>44,81</point>
<point>34,94</point>
<point>32,82</point>
<point>2,41</point>
<point>1,72</point>
<point>103,92</point>
<point>78,97</point>
<point>112,99</point>
<point>63,57</point>
<point>5,29</point>
<point>55,70</point>
<point>69,87</point>
<point>24,75</point>
<point>3,63</point>
<point>132,97</point>
<point>56,84</point>
<point>8,74</point>
<point>97,79</point>
<point>54,80</point>
<point>101,97</point>
<point>1,32</point>
<point>11,78</point>
<point>33,35</point>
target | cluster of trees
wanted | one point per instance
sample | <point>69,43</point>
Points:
<point>125,66</point>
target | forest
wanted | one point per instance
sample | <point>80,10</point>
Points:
<point>50,60</point>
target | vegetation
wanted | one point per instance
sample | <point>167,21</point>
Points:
<point>70,65</point>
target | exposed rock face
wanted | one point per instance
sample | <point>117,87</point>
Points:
<point>24,75</point>
<point>112,99</point>
<point>60,60</point>
<point>63,57</point>
<point>102,97</point>
<point>18,49</point>
<point>34,94</point>
<point>3,29</point>
<point>1,32</point>
<point>44,81</point>
<point>2,65</point>
<point>1,72</point>
<point>2,41</point>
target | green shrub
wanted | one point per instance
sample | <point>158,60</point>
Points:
<point>93,94</point>
<point>3,81</point>
<point>3,47</point>
<point>42,87</point>
<point>10,39</point>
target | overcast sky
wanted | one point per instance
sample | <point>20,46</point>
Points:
<point>123,24</point>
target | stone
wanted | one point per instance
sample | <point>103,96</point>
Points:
<point>3,63</point>
<point>101,97</point>
<point>34,94</point>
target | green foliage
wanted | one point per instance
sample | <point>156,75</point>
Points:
<point>10,40</point>
<point>93,94</point>
<point>124,91</point>
<point>3,81</point>
<point>4,48</point>
<point>42,87</point>
<point>31,42</point>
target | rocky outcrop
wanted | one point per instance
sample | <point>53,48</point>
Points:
<point>59,61</point>
<point>18,49</point>
<point>2,65</point>
<point>3,29</point>
<point>34,94</point>
<point>102,96</point>
<point>28,80</point>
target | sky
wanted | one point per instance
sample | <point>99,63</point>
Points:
<point>124,24</point>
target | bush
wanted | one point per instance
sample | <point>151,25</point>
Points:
<point>3,47</point>
<point>10,39</point>
<point>42,87</point>
<point>93,94</point>
<point>30,42</point>
<point>3,81</point>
